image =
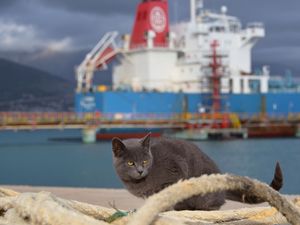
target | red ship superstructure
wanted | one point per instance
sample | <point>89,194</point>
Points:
<point>151,24</point>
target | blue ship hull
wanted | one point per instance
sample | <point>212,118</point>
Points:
<point>133,104</point>
<point>146,105</point>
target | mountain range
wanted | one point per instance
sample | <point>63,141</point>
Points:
<point>61,64</point>
<point>24,88</point>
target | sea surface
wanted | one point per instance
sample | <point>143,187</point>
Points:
<point>59,158</point>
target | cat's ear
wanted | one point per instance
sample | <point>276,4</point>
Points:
<point>118,147</point>
<point>146,140</point>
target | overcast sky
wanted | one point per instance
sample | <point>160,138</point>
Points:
<point>51,26</point>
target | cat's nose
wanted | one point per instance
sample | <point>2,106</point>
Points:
<point>140,170</point>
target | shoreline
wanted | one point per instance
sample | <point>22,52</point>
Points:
<point>120,198</point>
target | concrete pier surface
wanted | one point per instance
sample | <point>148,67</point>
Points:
<point>121,198</point>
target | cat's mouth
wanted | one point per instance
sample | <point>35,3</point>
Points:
<point>139,178</point>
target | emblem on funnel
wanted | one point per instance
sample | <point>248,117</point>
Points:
<point>158,19</point>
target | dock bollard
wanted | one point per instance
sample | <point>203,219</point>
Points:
<point>89,135</point>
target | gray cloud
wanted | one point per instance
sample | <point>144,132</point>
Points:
<point>94,6</point>
<point>6,3</point>
<point>57,23</point>
<point>79,24</point>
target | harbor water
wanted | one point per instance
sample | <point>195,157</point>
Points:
<point>59,158</point>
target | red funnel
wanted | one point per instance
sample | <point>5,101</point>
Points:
<point>151,15</point>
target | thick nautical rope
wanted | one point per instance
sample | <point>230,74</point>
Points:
<point>44,208</point>
<point>209,184</point>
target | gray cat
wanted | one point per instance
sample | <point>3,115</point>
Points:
<point>148,165</point>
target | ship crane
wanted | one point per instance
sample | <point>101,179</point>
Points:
<point>96,59</point>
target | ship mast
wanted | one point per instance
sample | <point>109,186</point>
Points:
<point>195,6</point>
<point>216,78</point>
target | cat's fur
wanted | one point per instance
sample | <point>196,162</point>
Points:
<point>160,162</point>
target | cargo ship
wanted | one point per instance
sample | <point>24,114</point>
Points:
<point>202,65</point>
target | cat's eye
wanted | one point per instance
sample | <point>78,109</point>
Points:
<point>145,162</point>
<point>130,163</point>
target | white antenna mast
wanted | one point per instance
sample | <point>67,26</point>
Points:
<point>193,11</point>
<point>200,4</point>
<point>196,8</point>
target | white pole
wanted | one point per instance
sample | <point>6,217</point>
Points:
<point>193,11</point>
<point>200,5</point>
